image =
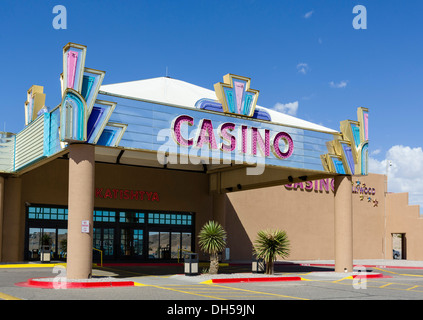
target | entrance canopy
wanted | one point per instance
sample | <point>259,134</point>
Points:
<point>168,123</point>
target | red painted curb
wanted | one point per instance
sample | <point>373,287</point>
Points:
<point>263,279</point>
<point>394,267</point>
<point>37,283</point>
<point>316,265</point>
<point>370,276</point>
<point>357,265</point>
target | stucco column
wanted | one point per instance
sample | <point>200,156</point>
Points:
<point>1,215</point>
<point>80,208</point>
<point>13,223</point>
<point>343,224</point>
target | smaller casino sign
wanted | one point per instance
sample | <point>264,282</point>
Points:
<point>324,185</point>
<point>126,194</point>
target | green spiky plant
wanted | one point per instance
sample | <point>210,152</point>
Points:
<point>270,244</point>
<point>212,240</point>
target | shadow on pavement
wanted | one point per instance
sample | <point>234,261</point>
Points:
<point>161,269</point>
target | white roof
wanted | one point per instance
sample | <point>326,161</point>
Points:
<point>165,90</point>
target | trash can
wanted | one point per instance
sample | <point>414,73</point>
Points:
<point>35,254</point>
<point>191,264</point>
<point>45,254</point>
<point>258,266</point>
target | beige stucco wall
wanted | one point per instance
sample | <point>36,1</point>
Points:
<point>308,218</point>
<point>368,219</point>
<point>402,218</point>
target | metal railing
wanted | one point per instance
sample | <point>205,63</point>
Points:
<point>182,250</point>
<point>101,256</point>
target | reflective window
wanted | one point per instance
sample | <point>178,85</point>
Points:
<point>186,243</point>
<point>164,245</point>
<point>131,217</point>
<point>153,245</point>
<point>104,216</point>
<point>108,241</point>
<point>170,218</point>
<point>103,239</point>
<point>138,242</point>
<point>175,245</point>
<point>62,243</point>
<point>47,213</point>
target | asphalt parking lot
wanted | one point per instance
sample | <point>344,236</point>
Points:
<point>171,287</point>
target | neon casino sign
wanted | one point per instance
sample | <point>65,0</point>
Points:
<point>245,139</point>
<point>237,98</point>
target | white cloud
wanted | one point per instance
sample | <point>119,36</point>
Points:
<point>341,84</point>
<point>308,14</point>
<point>302,68</point>
<point>404,166</point>
<point>375,152</point>
<point>288,108</point>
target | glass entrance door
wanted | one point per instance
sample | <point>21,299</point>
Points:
<point>159,245</point>
<point>42,238</point>
<point>103,241</point>
<point>34,243</point>
<point>131,243</point>
<point>167,245</point>
<point>62,243</point>
<point>123,234</point>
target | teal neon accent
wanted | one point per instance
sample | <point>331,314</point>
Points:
<point>78,117</point>
<point>81,121</point>
<point>356,134</point>
<point>14,153</point>
<point>247,104</point>
<point>87,85</point>
<point>230,100</point>
<point>46,142</point>
<point>73,118</point>
<point>339,167</point>
<point>54,140</point>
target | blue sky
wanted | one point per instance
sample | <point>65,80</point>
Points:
<point>304,56</point>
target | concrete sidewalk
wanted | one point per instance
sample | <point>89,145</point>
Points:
<point>387,263</point>
<point>230,271</point>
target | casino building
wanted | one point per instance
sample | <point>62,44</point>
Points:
<point>133,170</point>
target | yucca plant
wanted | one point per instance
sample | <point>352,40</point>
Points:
<point>212,240</point>
<point>270,244</point>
